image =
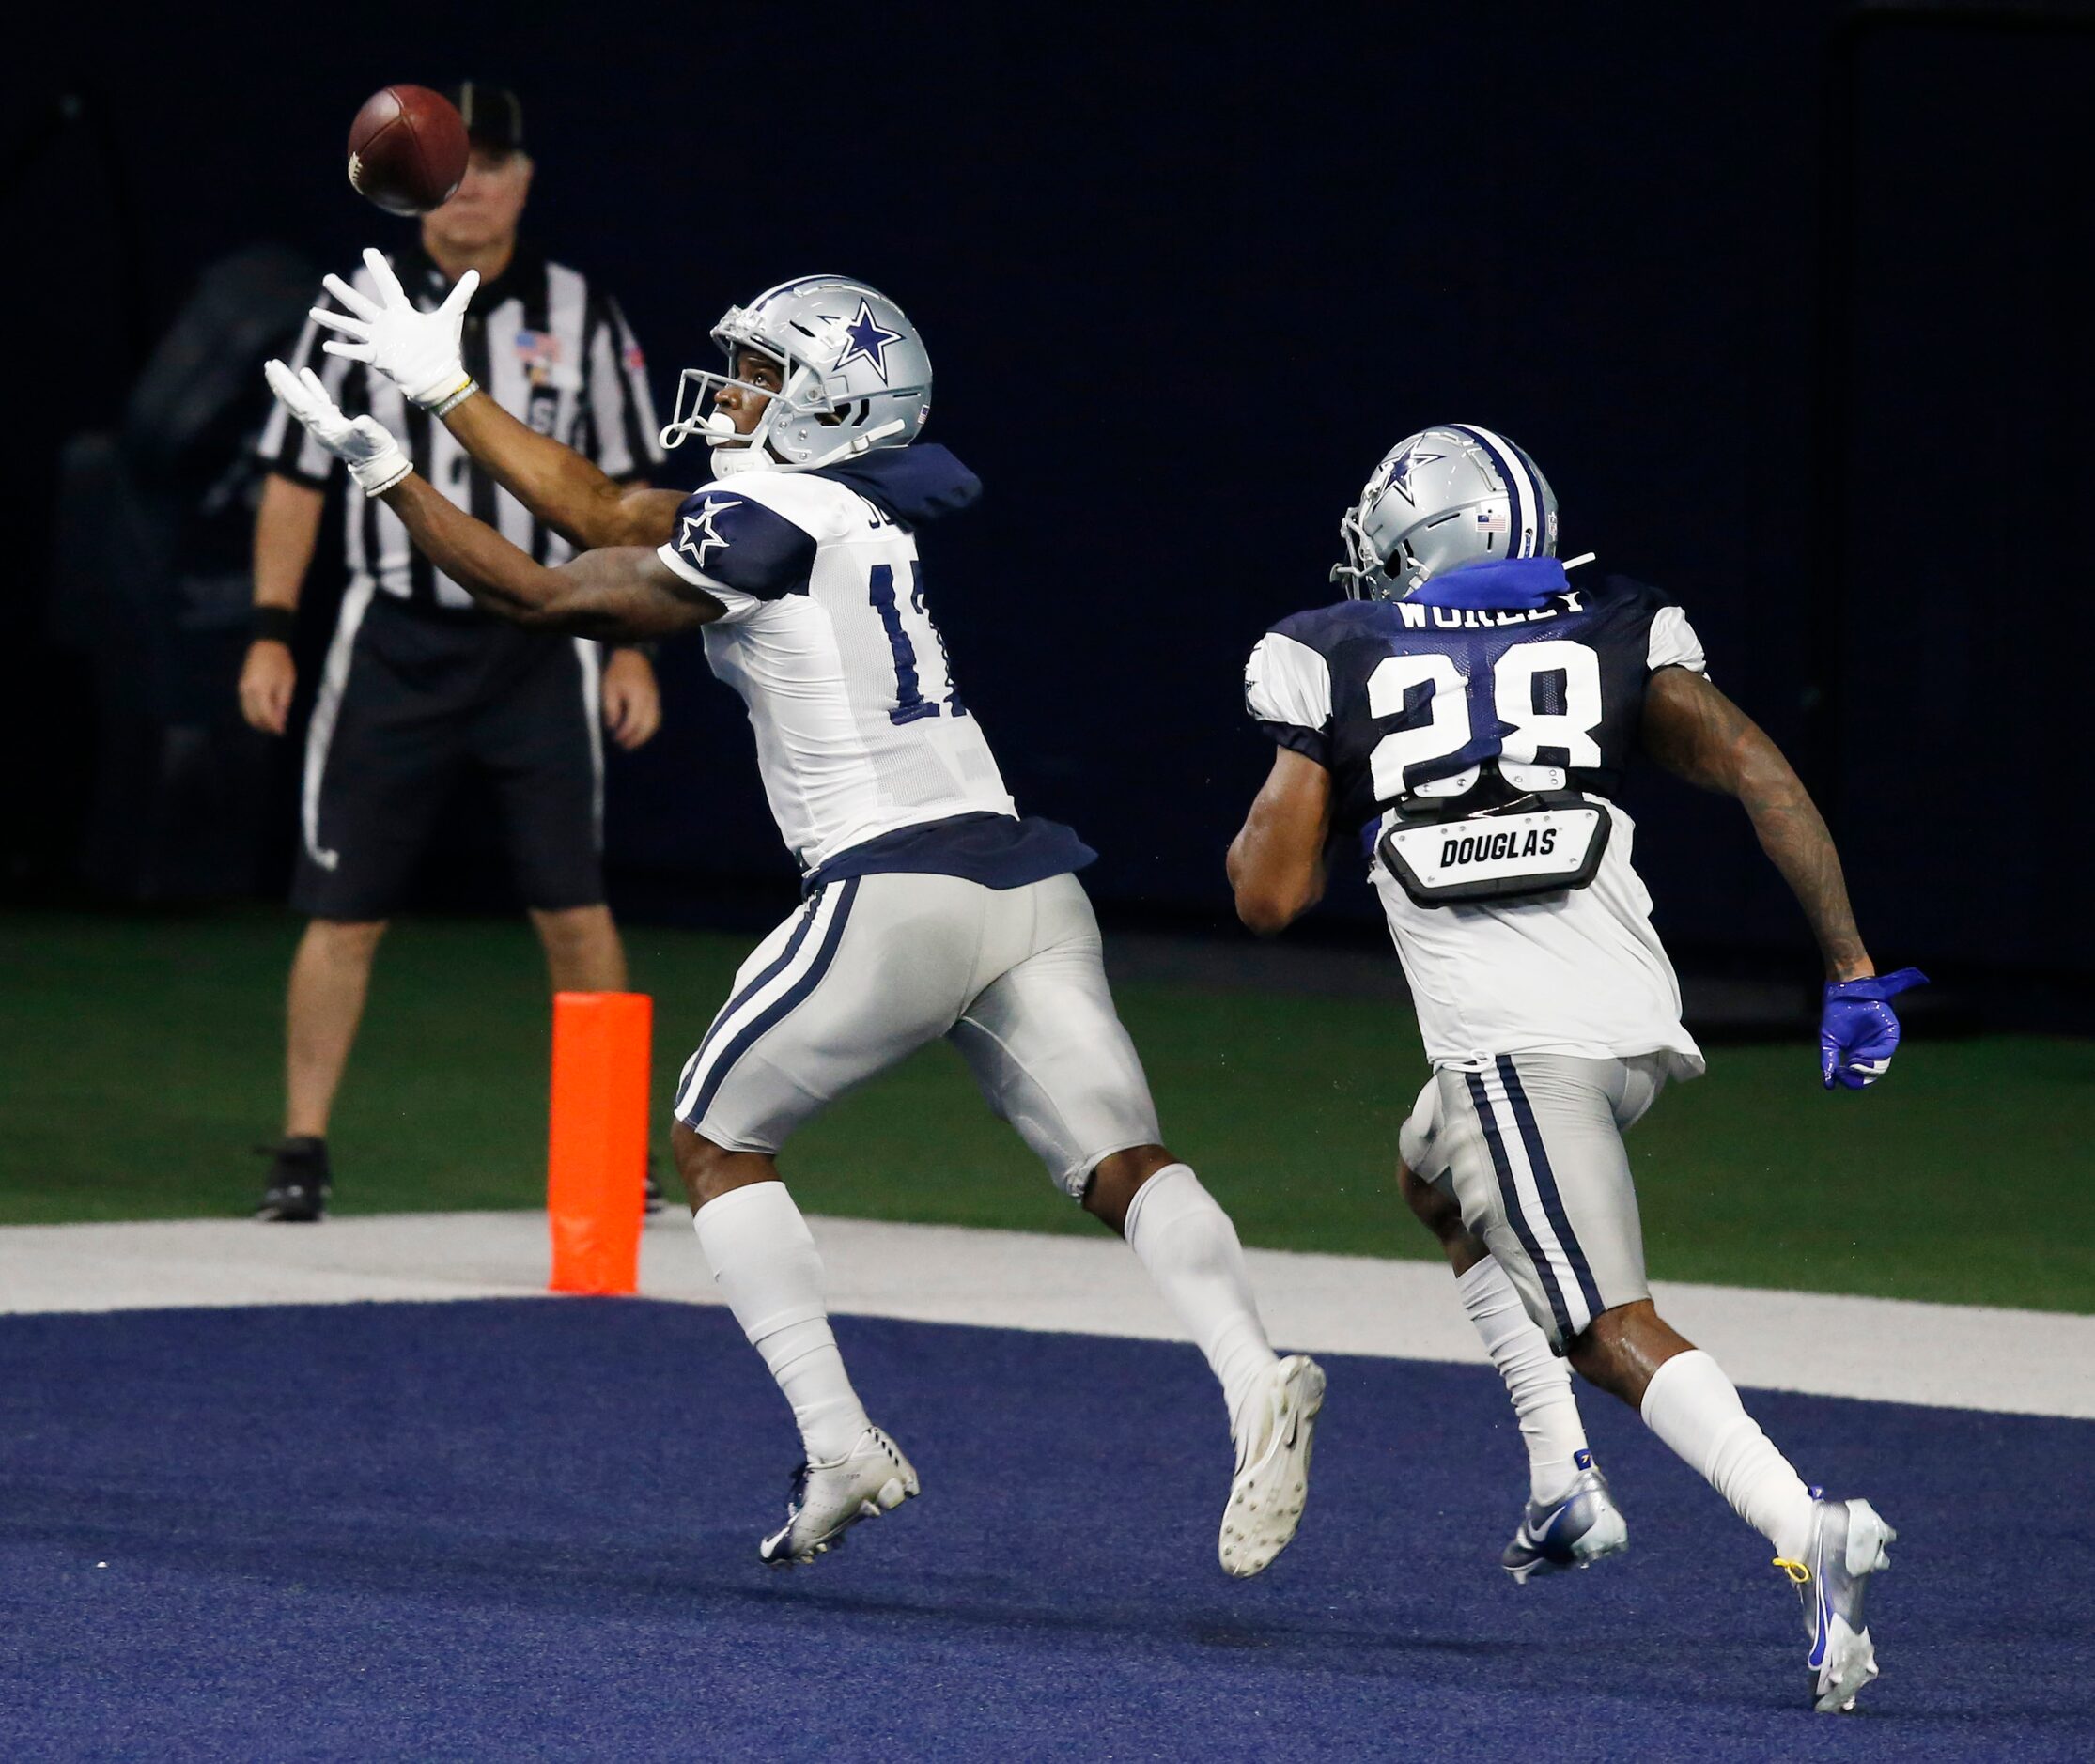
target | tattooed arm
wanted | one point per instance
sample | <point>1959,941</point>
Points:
<point>622,593</point>
<point>1695,732</point>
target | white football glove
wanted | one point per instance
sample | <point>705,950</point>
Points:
<point>366,445</point>
<point>418,351</point>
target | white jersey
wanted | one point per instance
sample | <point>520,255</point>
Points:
<point>1580,972</point>
<point>860,728</point>
<point>1391,696</point>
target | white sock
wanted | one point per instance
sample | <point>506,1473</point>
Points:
<point>1189,1248</point>
<point>1537,1381</point>
<point>1695,1408</point>
<point>760,1251</point>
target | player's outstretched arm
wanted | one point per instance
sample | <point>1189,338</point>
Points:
<point>419,352</point>
<point>1695,732</point>
<point>1276,861</point>
<point>622,593</point>
<point>619,592</point>
<point>572,495</point>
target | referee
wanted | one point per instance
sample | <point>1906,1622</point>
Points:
<point>420,689</point>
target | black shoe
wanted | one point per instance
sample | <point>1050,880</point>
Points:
<point>299,1182</point>
<point>653,1201</point>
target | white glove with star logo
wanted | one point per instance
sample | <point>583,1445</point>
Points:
<point>363,445</point>
<point>418,350</point>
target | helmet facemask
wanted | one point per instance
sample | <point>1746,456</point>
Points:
<point>737,450</point>
<point>1359,573</point>
<point>1366,574</point>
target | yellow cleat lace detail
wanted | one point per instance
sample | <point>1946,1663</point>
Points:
<point>1797,1571</point>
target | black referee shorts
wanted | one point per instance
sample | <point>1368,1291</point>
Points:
<point>411,705</point>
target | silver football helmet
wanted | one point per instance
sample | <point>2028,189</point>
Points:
<point>856,377</point>
<point>1447,496</point>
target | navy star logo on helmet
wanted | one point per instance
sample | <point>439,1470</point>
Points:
<point>1400,470</point>
<point>867,340</point>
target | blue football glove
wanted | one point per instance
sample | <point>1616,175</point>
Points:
<point>1858,1032</point>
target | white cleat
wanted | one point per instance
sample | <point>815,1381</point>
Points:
<point>872,1478</point>
<point>1848,1544</point>
<point>1272,1469</point>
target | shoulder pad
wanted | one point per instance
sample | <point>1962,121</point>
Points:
<point>1321,626</point>
<point>1627,590</point>
<point>735,537</point>
<point>1287,692</point>
<point>1669,640</point>
<point>817,506</point>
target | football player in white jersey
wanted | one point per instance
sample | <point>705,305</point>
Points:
<point>1479,710</point>
<point>932,908</point>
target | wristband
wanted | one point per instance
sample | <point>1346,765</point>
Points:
<point>392,476</point>
<point>269,624</point>
<point>445,406</point>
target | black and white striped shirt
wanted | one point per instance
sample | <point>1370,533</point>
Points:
<point>551,349</point>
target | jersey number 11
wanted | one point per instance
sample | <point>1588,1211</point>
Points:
<point>910,701</point>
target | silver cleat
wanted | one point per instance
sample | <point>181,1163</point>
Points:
<point>1848,1544</point>
<point>1574,1532</point>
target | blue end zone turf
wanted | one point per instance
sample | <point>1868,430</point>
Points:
<point>528,1529</point>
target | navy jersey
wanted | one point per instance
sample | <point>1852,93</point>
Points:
<point>1394,696</point>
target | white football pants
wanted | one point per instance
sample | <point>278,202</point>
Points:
<point>872,968</point>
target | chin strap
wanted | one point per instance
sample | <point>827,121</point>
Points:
<point>729,460</point>
<point>851,449</point>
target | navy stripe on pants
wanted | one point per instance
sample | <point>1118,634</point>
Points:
<point>784,1004</point>
<point>1509,1197</point>
<point>1546,1186</point>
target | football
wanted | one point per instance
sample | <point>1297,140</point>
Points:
<point>407,150</point>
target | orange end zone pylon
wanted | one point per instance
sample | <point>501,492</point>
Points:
<point>596,1162</point>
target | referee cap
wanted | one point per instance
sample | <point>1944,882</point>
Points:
<point>493,114</point>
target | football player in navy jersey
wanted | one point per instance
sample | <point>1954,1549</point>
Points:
<point>1480,710</point>
<point>932,907</point>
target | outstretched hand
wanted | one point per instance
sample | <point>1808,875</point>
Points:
<point>365,444</point>
<point>1858,1031</point>
<point>418,351</point>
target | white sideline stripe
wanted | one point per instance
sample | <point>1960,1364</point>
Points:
<point>320,734</point>
<point>1953,1357</point>
<point>590,655</point>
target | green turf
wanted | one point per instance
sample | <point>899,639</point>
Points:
<point>143,1059</point>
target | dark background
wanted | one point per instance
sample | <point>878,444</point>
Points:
<point>1791,301</point>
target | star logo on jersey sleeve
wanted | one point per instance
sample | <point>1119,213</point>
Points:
<point>699,535</point>
<point>866,339</point>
